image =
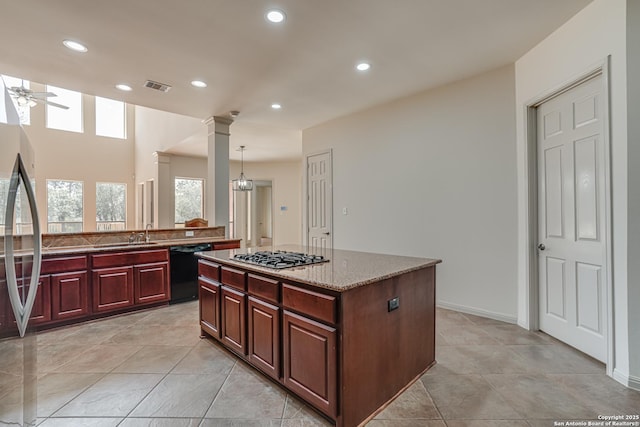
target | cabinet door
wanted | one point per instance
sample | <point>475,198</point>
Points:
<point>310,361</point>
<point>69,296</point>
<point>264,336</point>
<point>152,282</point>
<point>112,288</point>
<point>232,325</point>
<point>209,297</point>
<point>5,305</point>
<point>41,312</point>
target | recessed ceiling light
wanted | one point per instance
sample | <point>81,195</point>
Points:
<point>276,16</point>
<point>276,106</point>
<point>198,83</point>
<point>73,45</point>
<point>123,87</point>
<point>363,66</point>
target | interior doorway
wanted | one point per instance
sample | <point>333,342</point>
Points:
<point>251,215</point>
<point>320,201</point>
<point>570,287</point>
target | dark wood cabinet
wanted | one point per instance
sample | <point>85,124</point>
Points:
<point>209,300</point>
<point>69,295</point>
<point>127,279</point>
<point>151,282</point>
<point>264,336</point>
<point>62,295</point>
<point>235,244</point>
<point>310,359</point>
<point>41,312</point>
<point>346,353</point>
<point>233,320</point>
<point>112,288</point>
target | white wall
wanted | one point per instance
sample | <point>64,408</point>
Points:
<point>434,175</point>
<point>633,113</point>
<point>588,38</point>
<point>157,131</point>
<point>81,157</point>
<point>287,192</point>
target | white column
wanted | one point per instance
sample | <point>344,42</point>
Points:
<point>161,196</point>
<point>217,199</point>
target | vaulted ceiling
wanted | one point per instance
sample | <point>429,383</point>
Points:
<point>306,64</point>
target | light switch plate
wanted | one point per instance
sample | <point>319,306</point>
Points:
<point>189,233</point>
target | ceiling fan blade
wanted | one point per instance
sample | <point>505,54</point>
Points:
<point>53,104</point>
<point>43,94</point>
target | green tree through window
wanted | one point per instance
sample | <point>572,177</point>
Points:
<point>64,206</point>
<point>111,206</point>
<point>188,199</point>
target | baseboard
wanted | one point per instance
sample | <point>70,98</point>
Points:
<point>477,312</point>
<point>627,380</point>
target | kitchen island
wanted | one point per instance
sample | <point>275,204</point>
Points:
<point>346,335</point>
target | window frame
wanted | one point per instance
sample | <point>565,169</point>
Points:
<point>202,204</point>
<point>124,221</point>
<point>81,222</point>
<point>123,128</point>
<point>72,108</point>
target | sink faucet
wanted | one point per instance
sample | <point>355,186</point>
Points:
<point>147,238</point>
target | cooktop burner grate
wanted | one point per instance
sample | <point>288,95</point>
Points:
<point>279,259</point>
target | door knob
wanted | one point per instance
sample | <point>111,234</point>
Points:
<point>542,247</point>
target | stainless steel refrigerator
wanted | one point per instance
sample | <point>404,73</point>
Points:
<point>20,259</point>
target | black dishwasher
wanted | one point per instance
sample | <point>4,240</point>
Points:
<point>184,271</point>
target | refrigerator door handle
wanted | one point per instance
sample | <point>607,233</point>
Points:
<point>21,311</point>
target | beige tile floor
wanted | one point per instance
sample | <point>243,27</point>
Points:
<point>151,369</point>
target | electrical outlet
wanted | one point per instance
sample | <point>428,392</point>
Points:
<point>189,233</point>
<point>345,211</point>
<point>393,303</point>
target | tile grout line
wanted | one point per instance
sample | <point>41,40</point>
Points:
<point>235,363</point>
<point>158,383</point>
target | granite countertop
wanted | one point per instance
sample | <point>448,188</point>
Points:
<point>159,244</point>
<point>344,270</point>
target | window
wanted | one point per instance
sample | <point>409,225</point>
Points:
<point>189,199</point>
<point>24,111</point>
<point>61,119</point>
<point>110,118</point>
<point>111,212</point>
<point>64,206</point>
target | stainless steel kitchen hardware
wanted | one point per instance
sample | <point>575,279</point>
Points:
<point>22,311</point>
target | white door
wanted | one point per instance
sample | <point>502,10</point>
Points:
<point>319,201</point>
<point>571,218</point>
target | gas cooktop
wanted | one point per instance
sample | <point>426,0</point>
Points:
<point>279,259</point>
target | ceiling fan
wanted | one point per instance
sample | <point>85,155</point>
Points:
<point>24,96</point>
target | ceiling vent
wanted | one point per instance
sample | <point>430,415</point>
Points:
<point>162,87</point>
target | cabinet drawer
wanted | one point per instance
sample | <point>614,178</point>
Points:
<point>225,245</point>
<point>314,304</point>
<point>117,259</point>
<point>63,264</point>
<point>266,289</point>
<point>234,278</point>
<point>209,270</point>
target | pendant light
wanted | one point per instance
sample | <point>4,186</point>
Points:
<point>242,183</point>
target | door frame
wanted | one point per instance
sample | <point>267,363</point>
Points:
<point>305,186</point>
<point>530,125</point>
